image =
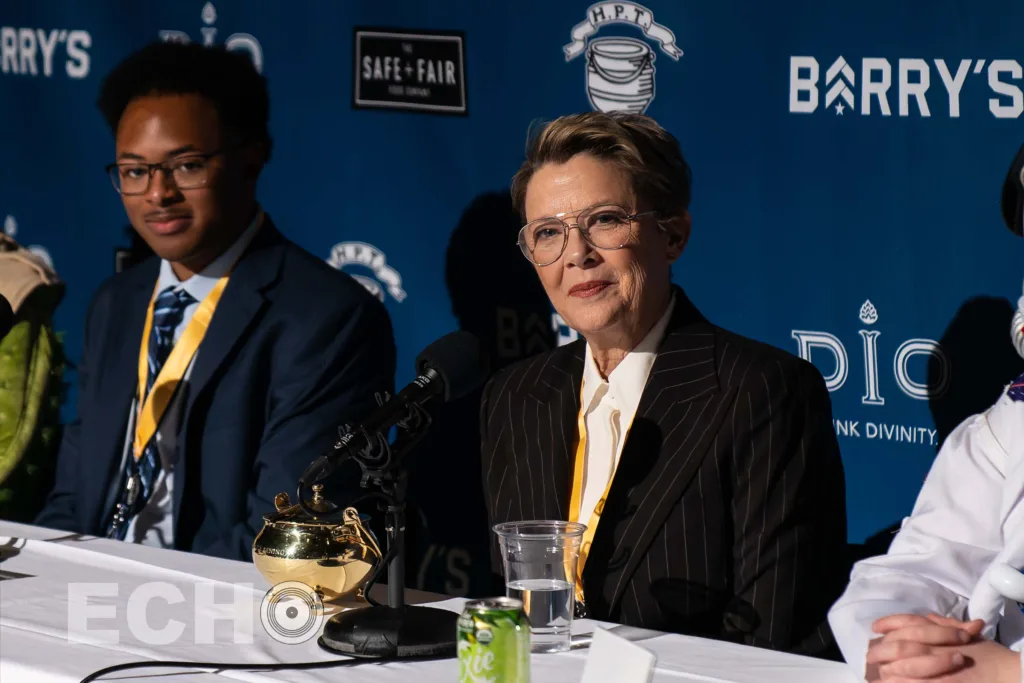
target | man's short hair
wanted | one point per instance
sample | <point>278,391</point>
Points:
<point>648,153</point>
<point>226,79</point>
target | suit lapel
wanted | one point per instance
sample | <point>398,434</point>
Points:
<point>679,414</point>
<point>237,312</point>
<point>548,432</point>
<point>115,378</point>
<point>241,302</point>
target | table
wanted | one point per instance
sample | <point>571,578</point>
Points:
<point>42,570</point>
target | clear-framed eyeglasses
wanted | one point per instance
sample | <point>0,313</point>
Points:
<point>187,172</point>
<point>605,226</point>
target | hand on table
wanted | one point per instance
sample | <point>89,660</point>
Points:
<point>912,637</point>
<point>915,649</point>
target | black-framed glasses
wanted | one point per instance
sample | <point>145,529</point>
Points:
<point>187,172</point>
<point>605,226</point>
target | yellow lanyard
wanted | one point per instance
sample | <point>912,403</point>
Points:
<point>576,499</point>
<point>154,405</point>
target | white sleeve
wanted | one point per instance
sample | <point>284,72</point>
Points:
<point>1017,328</point>
<point>943,548</point>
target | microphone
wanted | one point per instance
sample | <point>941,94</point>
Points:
<point>6,317</point>
<point>448,369</point>
<point>451,367</point>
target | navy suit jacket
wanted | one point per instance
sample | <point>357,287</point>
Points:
<point>295,349</point>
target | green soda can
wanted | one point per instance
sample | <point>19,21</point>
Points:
<point>494,642</point>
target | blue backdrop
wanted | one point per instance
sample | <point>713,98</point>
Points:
<point>848,159</point>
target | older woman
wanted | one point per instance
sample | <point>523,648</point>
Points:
<point>704,464</point>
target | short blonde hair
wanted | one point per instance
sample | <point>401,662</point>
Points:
<point>648,153</point>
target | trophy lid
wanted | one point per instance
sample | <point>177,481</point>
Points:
<point>294,514</point>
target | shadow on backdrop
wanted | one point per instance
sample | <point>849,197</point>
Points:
<point>495,294</point>
<point>982,362</point>
<point>982,358</point>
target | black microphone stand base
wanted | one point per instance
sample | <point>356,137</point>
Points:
<point>391,632</point>
<point>397,630</point>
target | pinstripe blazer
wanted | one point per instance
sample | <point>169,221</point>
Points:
<point>726,517</point>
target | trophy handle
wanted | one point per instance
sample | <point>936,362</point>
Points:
<point>351,518</point>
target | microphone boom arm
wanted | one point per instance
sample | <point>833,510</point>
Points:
<point>449,369</point>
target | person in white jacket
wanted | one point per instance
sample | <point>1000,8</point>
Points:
<point>944,604</point>
<point>934,601</point>
<point>1013,216</point>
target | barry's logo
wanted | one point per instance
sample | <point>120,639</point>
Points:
<point>620,71</point>
<point>882,86</point>
<point>385,278</point>
<point>236,41</point>
<point>34,51</point>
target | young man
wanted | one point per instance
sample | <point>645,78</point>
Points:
<point>213,373</point>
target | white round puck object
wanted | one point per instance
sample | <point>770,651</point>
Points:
<point>1008,581</point>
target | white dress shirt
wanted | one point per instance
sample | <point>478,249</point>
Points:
<point>154,525</point>
<point>609,407</point>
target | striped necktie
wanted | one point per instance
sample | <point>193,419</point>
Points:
<point>140,475</point>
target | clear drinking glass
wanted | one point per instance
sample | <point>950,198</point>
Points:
<point>540,559</point>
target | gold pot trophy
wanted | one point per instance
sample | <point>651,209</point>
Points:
<point>333,558</point>
<point>300,543</point>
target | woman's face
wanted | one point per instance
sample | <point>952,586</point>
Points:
<point>603,291</point>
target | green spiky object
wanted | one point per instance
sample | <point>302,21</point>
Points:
<point>31,393</point>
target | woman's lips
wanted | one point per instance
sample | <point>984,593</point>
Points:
<point>588,289</point>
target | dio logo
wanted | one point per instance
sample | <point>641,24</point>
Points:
<point>921,390</point>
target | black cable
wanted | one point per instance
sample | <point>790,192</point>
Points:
<point>232,666</point>
<point>321,515</point>
<point>366,495</point>
<point>376,575</point>
<point>388,556</point>
<point>219,666</point>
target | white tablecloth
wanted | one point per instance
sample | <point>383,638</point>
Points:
<point>40,568</point>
